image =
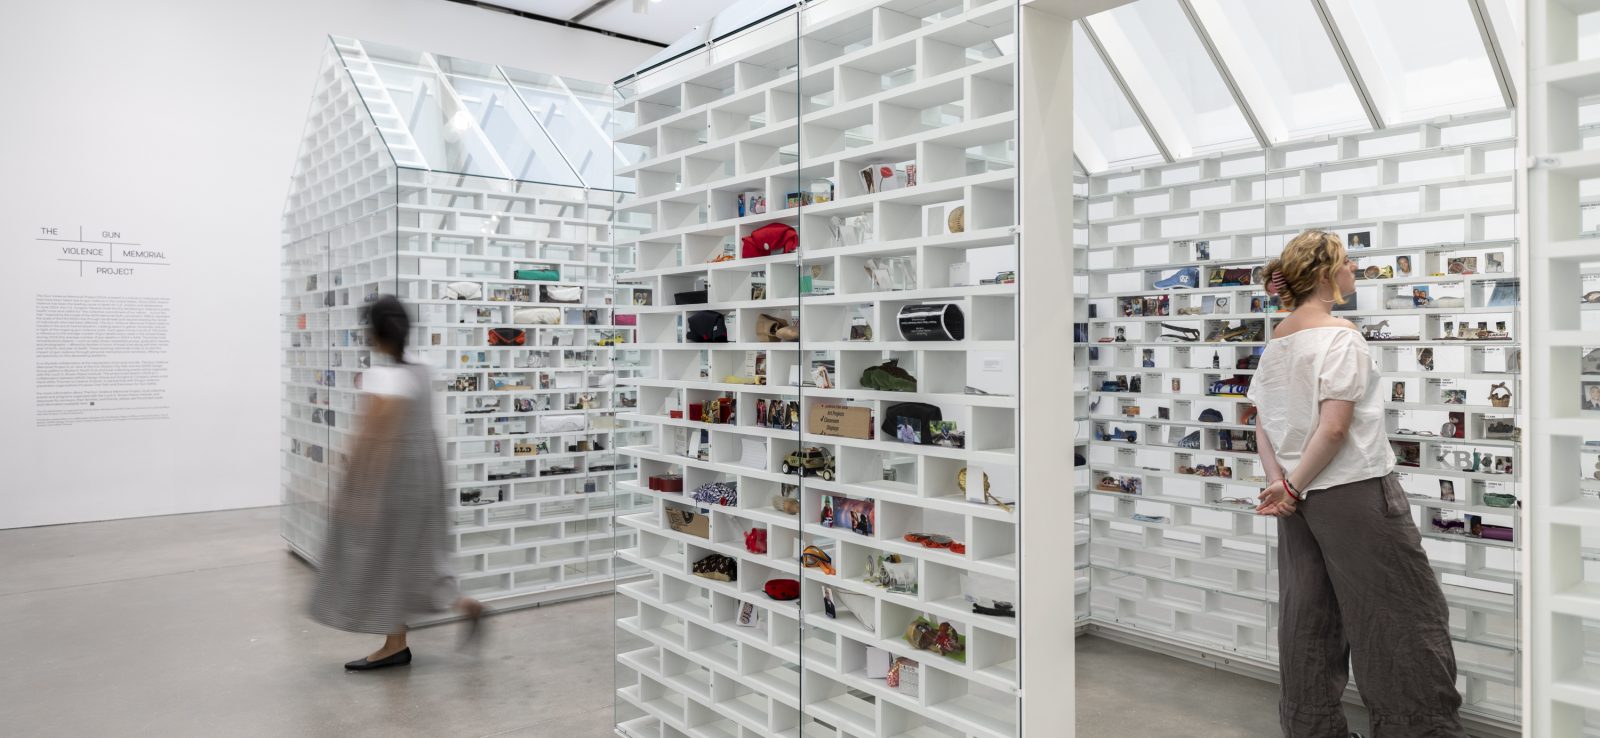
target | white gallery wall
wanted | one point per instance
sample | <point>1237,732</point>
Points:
<point>145,152</point>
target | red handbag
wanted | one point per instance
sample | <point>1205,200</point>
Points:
<point>772,238</point>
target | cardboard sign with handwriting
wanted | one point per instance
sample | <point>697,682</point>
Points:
<point>838,420</point>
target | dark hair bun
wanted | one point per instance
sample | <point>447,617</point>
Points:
<point>388,324</point>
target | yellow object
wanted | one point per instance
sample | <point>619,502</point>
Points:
<point>958,220</point>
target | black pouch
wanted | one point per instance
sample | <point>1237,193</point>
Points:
<point>693,297</point>
<point>707,326</point>
<point>921,415</point>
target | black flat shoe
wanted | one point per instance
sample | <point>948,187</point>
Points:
<point>398,658</point>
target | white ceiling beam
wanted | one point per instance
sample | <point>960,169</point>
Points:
<point>1232,83</point>
<point>1342,51</point>
<point>1500,58</point>
<point>1122,84</point>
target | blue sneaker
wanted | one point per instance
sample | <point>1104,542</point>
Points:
<point>1185,277</point>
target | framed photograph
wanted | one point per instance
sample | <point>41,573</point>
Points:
<point>1591,395</point>
<point>1453,396</point>
<point>1447,490</point>
<point>856,516</point>
<point>1397,392</point>
<point>1358,240</point>
<point>641,297</point>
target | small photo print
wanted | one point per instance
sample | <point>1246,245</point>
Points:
<point>1402,265</point>
<point>1407,453</point>
<point>842,512</point>
<point>1591,395</point>
<point>641,297</point>
<point>1447,490</point>
<point>1462,265</point>
<point>1359,240</point>
<point>827,603</point>
<point>945,434</point>
<point>1419,296</point>
<point>1425,359</point>
<point>1453,396</point>
<point>1397,392</point>
<point>1202,250</point>
<point>1494,262</point>
<point>906,431</point>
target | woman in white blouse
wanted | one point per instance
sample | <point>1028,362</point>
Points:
<point>1354,582</point>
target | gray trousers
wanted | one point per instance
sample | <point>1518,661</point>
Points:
<point>1355,585</point>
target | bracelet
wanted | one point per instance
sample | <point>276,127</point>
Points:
<point>1297,494</point>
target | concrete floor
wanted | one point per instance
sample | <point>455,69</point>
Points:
<point>193,625</point>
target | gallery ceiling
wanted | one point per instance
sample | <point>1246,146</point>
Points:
<point>661,21</point>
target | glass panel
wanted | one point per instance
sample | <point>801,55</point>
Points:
<point>1107,130</point>
<point>452,115</point>
<point>576,116</point>
<point>1281,56</point>
<point>1155,47</point>
<point>1416,76</point>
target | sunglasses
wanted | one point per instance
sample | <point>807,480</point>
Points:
<point>816,558</point>
<point>1409,432</point>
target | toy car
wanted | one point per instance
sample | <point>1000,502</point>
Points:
<point>614,339</point>
<point>810,460</point>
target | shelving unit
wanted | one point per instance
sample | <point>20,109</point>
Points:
<point>1197,568</point>
<point>383,202</point>
<point>1564,521</point>
<point>868,83</point>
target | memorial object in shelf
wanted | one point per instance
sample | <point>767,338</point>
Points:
<point>856,516</point>
<point>809,461</point>
<point>1591,395</point>
<point>841,421</point>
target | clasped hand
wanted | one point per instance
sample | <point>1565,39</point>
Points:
<point>1276,500</point>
